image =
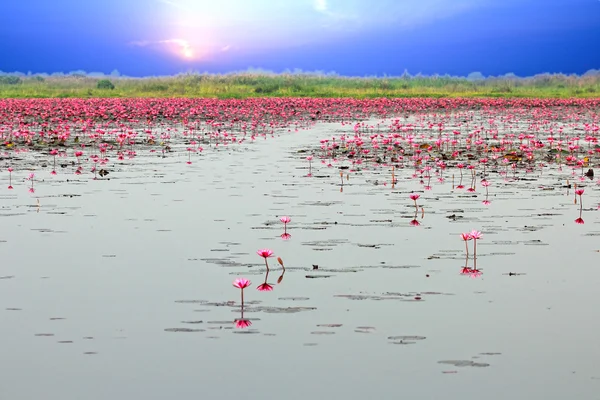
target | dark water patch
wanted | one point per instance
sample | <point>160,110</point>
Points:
<point>219,322</point>
<point>183,330</point>
<point>535,242</point>
<point>13,309</point>
<point>229,303</point>
<point>57,319</point>
<point>219,261</point>
<point>109,255</point>
<point>281,310</point>
<point>409,338</point>
<point>294,298</point>
<point>320,203</point>
<point>192,322</point>
<point>318,276</point>
<point>246,332</point>
<point>383,265</point>
<point>44,334</point>
<point>7,277</point>
<point>322,333</point>
<point>65,341</point>
<point>88,337</point>
<point>464,363</point>
<point>310,344</point>
<point>90,353</point>
<point>364,329</point>
<point>329,325</point>
<point>328,244</point>
<point>490,354</point>
<point>192,301</point>
<point>43,230</point>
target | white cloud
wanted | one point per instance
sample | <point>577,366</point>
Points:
<point>179,46</point>
<point>320,5</point>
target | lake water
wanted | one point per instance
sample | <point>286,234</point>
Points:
<point>121,287</point>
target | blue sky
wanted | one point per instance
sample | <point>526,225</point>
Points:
<point>350,37</point>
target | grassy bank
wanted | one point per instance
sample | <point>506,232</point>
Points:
<point>255,85</point>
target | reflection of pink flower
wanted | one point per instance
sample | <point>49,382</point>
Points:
<point>242,323</point>
<point>309,158</point>
<point>486,202</point>
<point>265,287</point>
<point>241,283</point>
<point>465,271</point>
<point>414,222</point>
<point>470,190</point>
<point>579,221</point>
<point>485,183</point>
<point>475,273</point>
<point>265,253</point>
<point>286,236</point>
<point>460,187</point>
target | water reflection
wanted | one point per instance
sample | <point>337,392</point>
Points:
<point>285,235</point>
<point>579,192</point>
<point>241,284</point>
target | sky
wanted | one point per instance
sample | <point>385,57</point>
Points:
<point>348,37</point>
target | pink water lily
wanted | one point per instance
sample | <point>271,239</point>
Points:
<point>241,283</point>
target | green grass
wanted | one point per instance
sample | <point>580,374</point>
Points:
<point>287,85</point>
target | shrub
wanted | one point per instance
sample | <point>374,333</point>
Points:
<point>9,80</point>
<point>105,84</point>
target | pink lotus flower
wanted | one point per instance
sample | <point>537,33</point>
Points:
<point>241,283</point>
<point>475,235</point>
<point>579,192</point>
<point>414,196</point>
<point>265,253</point>
<point>285,219</point>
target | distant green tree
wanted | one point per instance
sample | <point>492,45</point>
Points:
<point>105,84</point>
<point>9,80</point>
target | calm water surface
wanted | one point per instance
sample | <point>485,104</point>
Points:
<point>121,288</point>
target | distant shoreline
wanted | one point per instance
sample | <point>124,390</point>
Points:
<point>247,85</point>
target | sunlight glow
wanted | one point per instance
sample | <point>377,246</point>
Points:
<point>207,29</point>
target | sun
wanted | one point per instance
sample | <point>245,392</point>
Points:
<point>187,52</point>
